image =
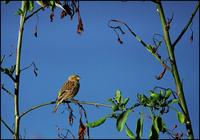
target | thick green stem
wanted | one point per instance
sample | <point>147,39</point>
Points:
<point>174,71</point>
<point>17,70</point>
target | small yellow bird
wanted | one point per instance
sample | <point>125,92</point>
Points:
<point>68,90</point>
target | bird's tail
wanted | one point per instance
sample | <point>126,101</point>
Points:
<point>56,107</point>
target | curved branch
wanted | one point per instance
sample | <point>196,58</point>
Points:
<point>6,125</point>
<point>26,67</point>
<point>147,46</point>
<point>35,107</point>
<point>36,11</point>
<point>134,34</point>
<point>186,26</point>
<point>75,102</point>
<point>7,91</point>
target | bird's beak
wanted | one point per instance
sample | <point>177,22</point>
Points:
<point>78,78</point>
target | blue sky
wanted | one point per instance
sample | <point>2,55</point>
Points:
<point>103,64</point>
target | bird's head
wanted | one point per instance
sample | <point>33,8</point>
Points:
<point>74,78</point>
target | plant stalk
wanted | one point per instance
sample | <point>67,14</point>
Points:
<point>175,73</point>
<point>17,72</point>
<point>75,102</point>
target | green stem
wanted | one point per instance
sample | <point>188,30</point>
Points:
<point>17,70</point>
<point>147,46</point>
<point>174,71</point>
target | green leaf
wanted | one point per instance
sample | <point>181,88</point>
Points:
<point>164,129</point>
<point>153,133</point>
<point>19,12</point>
<point>161,93</point>
<point>129,133</point>
<point>149,48</point>
<point>115,108</point>
<point>173,101</point>
<point>181,117</point>
<point>118,97</point>
<point>158,124</point>
<point>96,123</point>
<point>30,5</point>
<point>168,92</point>
<point>52,4</point>
<point>142,99</point>
<point>139,127</point>
<point>111,101</point>
<point>41,3</point>
<point>125,101</point>
<point>153,95</point>
<point>122,119</point>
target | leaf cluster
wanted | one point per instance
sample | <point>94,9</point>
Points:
<point>157,100</point>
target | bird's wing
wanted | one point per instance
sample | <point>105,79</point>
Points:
<point>67,88</point>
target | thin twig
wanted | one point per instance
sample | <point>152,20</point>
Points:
<point>94,103</point>
<point>71,115</point>
<point>60,135</point>
<point>186,26</point>
<point>6,90</point>
<point>53,102</point>
<point>156,40</point>
<point>26,67</point>
<point>35,107</point>
<point>140,40</point>
<point>159,87</point>
<point>68,131</point>
<point>36,11</point>
<point>6,125</point>
<point>35,69</point>
<point>2,58</point>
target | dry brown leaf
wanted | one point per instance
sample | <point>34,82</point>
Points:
<point>81,130</point>
<point>80,23</point>
<point>161,74</point>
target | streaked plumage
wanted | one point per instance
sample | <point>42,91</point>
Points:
<point>68,90</point>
